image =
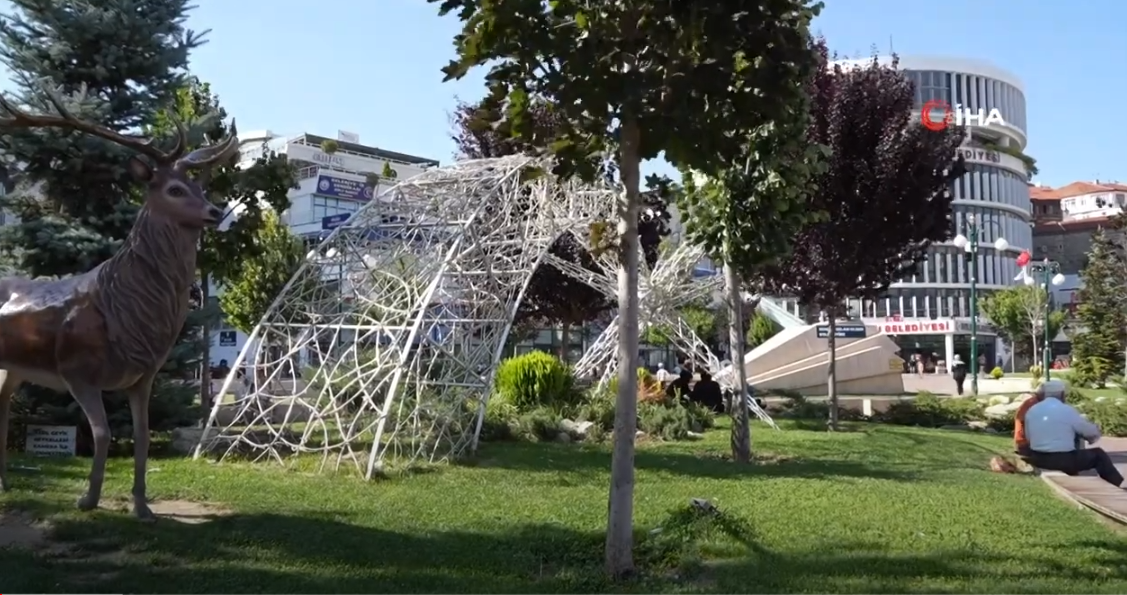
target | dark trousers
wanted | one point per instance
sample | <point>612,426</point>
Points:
<point>959,380</point>
<point>1077,461</point>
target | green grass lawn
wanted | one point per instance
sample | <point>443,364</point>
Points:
<point>877,509</point>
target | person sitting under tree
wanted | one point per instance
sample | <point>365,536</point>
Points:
<point>680,388</point>
<point>1055,428</point>
<point>707,392</point>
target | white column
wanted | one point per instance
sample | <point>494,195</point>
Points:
<point>949,350</point>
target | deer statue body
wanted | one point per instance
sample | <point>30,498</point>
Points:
<point>112,328</point>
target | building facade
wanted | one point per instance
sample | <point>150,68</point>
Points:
<point>1066,218</point>
<point>331,187</point>
<point>995,190</point>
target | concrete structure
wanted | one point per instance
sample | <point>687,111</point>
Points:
<point>995,190</point>
<point>330,189</point>
<point>797,359</point>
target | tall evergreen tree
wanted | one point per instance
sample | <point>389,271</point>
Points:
<point>114,62</point>
<point>1098,348</point>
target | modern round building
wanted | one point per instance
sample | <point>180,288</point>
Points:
<point>995,191</point>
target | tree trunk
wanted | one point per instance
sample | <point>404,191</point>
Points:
<point>831,372</point>
<point>741,431</point>
<point>620,513</point>
<point>565,338</point>
<point>205,359</point>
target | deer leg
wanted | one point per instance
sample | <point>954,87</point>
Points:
<point>90,399</point>
<point>139,406</point>
<point>8,386</point>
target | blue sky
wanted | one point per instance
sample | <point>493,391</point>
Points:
<point>372,67</point>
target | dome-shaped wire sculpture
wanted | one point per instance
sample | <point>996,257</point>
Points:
<point>384,343</point>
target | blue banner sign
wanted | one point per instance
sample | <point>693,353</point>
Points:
<point>843,331</point>
<point>334,221</point>
<point>343,188</point>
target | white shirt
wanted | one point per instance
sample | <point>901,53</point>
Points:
<point>1053,425</point>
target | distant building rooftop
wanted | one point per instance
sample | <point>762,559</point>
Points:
<point>374,152</point>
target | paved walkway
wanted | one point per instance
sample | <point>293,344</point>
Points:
<point>1091,491</point>
<point>942,384</point>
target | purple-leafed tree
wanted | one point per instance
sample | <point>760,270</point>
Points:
<point>554,297</point>
<point>885,191</point>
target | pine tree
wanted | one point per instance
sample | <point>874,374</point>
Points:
<point>114,62</point>
<point>252,289</point>
<point>762,329</point>
<point>1098,348</point>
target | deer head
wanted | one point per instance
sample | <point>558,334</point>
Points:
<point>170,191</point>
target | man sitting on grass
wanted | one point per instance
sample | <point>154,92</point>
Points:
<point>1054,429</point>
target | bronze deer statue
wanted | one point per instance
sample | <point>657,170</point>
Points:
<point>112,328</point>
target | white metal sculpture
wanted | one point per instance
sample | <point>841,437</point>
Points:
<point>669,286</point>
<point>385,341</point>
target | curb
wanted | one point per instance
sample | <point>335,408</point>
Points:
<point>1082,502</point>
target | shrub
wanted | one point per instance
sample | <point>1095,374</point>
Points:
<point>1092,371</point>
<point>535,379</point>
<point>665,419</point>
<point>799,407</point>
<point>1109,413</point>
<point>997,372</point>
<point>930,411</point>
<point>540,424</point>
<point>598,408</point>
<point>1002,425</point>
<point>500,419</point>
<point>649,389</point>
<point>673,422</point>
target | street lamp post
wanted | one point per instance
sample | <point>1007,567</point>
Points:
<point>969,244</point>
<point>1045,268</point>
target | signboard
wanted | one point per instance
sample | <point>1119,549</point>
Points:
<point>343,188</point>
<point>228,339</point>
<point>843,331</point>
<point>51,441</point>
<point>895,364</point>
<point>980,155</point>
<point>325,159</point>
<point>895,325</point>
<point>334,221</point>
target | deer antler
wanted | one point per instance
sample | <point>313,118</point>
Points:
<point>14,117</point>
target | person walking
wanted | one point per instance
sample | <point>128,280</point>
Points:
<point>959,373</point>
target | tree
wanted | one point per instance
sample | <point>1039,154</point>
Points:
<point>246,194</point>
<point>554,297</point>
<point>1018,312</point>
<point>885,170</point>
<point>113,63</point>
<point>699,317</point>
<point>630,80</point>
<point>258,281</point>
<point>1102,313</point>
<point>745,213</point>
<point>762,329</point>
